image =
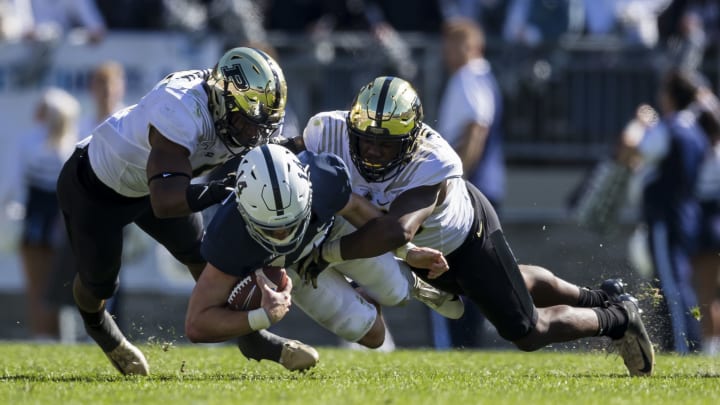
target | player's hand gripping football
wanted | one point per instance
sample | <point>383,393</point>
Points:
<point>427,258</point>
<point>275,303</point>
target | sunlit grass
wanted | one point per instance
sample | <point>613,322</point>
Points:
<point>220,375</point>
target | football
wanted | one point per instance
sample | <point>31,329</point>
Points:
<point>246,294</point>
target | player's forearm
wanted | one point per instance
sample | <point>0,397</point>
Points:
<point>359,211</point>
<point>216,324</point>
<point>378,236</point>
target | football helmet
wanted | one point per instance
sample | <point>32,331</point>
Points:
<point>274,197</point>
<point>385,110</point>
<point>247,82</point>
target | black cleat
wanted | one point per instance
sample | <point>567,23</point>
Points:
<point>614,288</point>
<point>635,346</point>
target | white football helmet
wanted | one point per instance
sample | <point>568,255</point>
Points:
<point>274,197</point>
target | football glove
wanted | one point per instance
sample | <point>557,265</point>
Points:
<point>312,265</point>
<point>203,195</point>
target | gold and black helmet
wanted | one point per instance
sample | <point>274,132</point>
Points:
<point>387,109</point>
<point>249,82</point>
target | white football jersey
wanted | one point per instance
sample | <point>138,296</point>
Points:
<point>178,108</point>
<point>434,161</point>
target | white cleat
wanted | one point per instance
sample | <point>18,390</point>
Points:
<point>297,356</point>
<point>128,359</point>
<point>444,303</point>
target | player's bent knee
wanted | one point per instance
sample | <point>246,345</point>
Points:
<point>527,344</point>
<point>375,336</point>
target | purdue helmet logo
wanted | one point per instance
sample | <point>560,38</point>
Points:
<point>236,74</point>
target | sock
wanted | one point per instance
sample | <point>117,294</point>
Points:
<point>261,345</point>
<point>613,321</point>
<point>592,298</point>
<point>102,328</point>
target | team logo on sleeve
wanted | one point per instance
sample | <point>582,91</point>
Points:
<point>237,76</point>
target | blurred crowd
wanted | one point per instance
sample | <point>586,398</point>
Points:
<point>684,30</point>
<point>642,22</point>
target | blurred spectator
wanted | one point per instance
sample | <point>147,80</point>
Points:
<point>15,19</point>
<point>532,22</point>
<point>687,28</point>
<point>639,20</point>
<point>706,263</point>
<point>54,19</point>
<point>470,118</point>
<point>107,90</point>
<point>237,21</point>
<point>669,155</point>
<point>42,154</point>
<point>132,14</point>
<point>490,14</point>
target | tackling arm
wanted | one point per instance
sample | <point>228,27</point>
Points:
<point>169,172</point>
<point>394,229</point>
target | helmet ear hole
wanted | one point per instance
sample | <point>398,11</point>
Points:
<point>387,109</point>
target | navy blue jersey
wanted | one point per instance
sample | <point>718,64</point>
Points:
<point>227,244</point>
<point>670,195</point>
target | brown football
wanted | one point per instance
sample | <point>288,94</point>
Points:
<point>246,294</point>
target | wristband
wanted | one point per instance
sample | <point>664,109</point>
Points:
<point>330,251</point>
<point>258,319</point>
<point>403,250</point>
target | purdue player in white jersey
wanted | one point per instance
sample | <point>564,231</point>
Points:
<point>407,169</point>
<point>136,166</point>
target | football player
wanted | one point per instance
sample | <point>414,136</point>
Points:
<point>136,166</point>
<point>285,206</point>
<point>407,169</point>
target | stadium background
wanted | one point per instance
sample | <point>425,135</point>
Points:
<point>565,105</point>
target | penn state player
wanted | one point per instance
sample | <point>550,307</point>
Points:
<point>284,206</point>
<point>136,166</point>
<point>406,168</point>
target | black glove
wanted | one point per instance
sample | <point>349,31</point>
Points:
<point>312,265</point>
<point>203,195</point>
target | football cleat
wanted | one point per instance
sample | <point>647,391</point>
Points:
<point>613,287</point>
<point>635,346</point>
<point>444,303</point>
<point>297,356</point>
<point>128,359</point>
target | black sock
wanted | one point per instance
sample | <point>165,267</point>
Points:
<point>102,328</point>
<point>613,321</point>
<point>261,345</point>
<point>592,298</point>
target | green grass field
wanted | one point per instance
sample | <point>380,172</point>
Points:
<point>220,375</point>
